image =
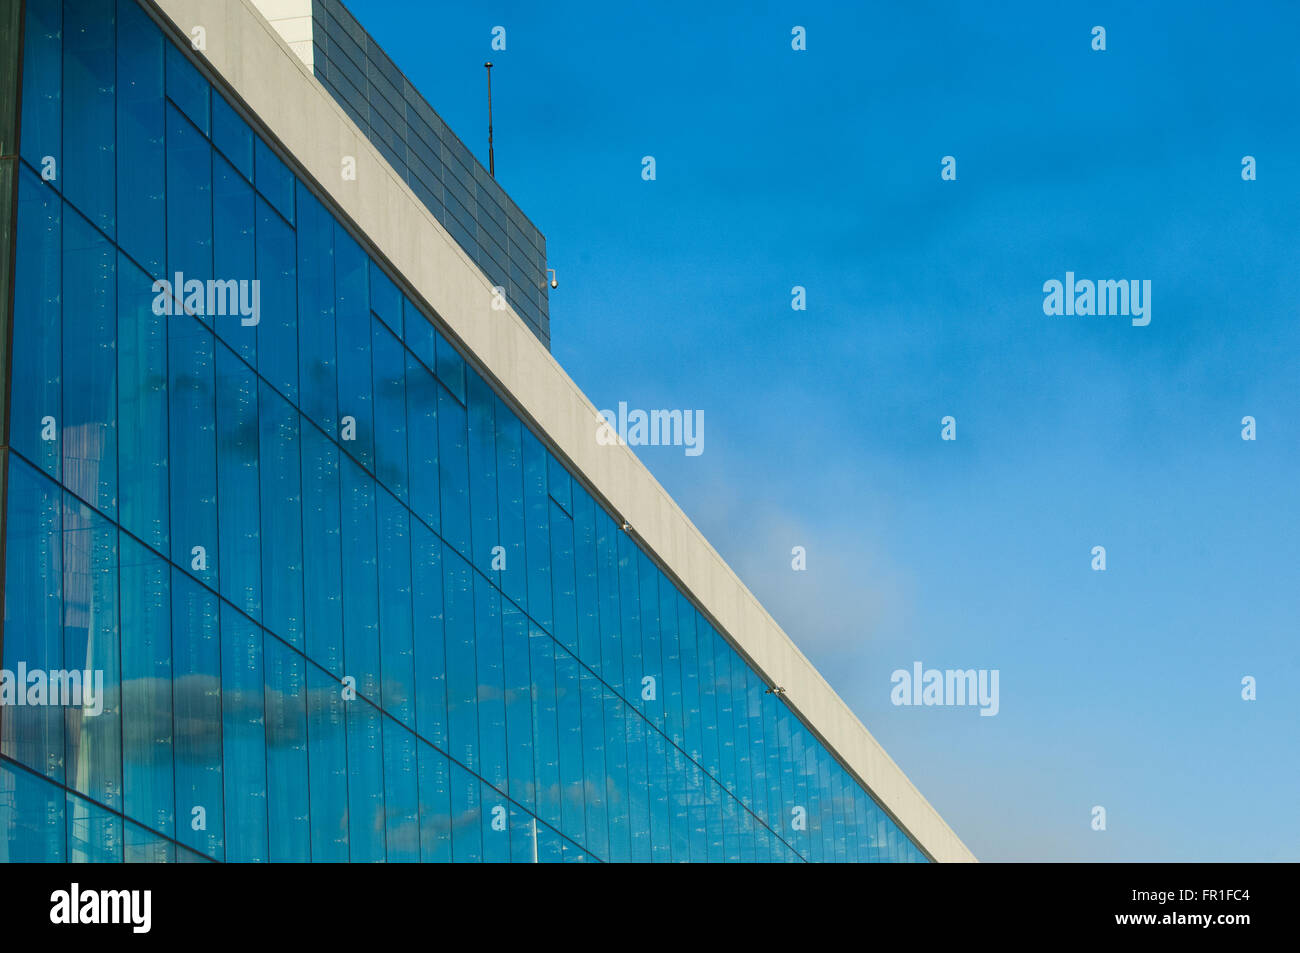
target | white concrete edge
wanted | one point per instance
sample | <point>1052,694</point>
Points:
<point>259,65</point>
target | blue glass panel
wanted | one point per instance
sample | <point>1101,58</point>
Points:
<point>731,830</point>
<point>88,170</point>
<point>523,835</point>
<point>563,579</point>
<point>186,856</point>
<point>322,559</point>
<point>191,391</point>
<point>280,474</point>
<point>679,805</point>
<point>571,853</point>
<point>317,347</point>
<point>386,300</point>
<point>466,817</point>
<point>328,759</point>
<point>744,778</point>
<point>42,95</point>
<point>513,580</point>
<point>187,88</point>
<point>286,753</point>
<point>762,843</point>
<point>537,518</point>
<point>490,669</point>
<point>142,408</point>
<point>141,160</point>
<point>397,652</point>
<point>696,782</point>
<point>273,179</point>
<point>801,840</point>
<point>196,700</point>
<point>840,839</point>
<point>143,846</point>
<point>453,473</point>
<point>462,679</point>
<point>481,413</point>
<point>821,828</point>
<point>365,782</point>
<point>451,367</point>
<point>880,838</point>
<point>660,814</point>
<point>620,836</point>
<point>559,483</point>
<point>419,335</point>
<point>588,588</point>
<point>846,828</point>
<point>670,652</point>
<point>388,358</point>
<point>239,507</point>
<point>686,639</point>
<point>651,654</point>
<point>231,134</point>
<point>189,213</point>
<point>147,750</point>
<point>352,313</point>
<point>772,746</point>
<point>89,335</point>
<point>550,845</point>
<point>422,442</point>
<point>706,637</point>
<point>435,805</point>
<point>243,734</point>
<point>33,734</point>
<point>757,751</point>
<point>277,330</point>
<point>360,579</point>
<point>726,773</point>
<point>94,833</point>
<point>36,411</point>
<point>430,654</point>
<point>401,795</point>
<point>237,300</point>
<point>893,847</point>
<point>593,765</point>
<point>546,738</point>
<point>713,795</point>
<point>518,704</point>
<point>611,645</point>
<point>792,795</point>
<point>747,853</point>
<point>92,648</point>
<point>638,786</point>
<point>630,629</point>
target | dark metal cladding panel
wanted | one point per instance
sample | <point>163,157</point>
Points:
<point>441,171</point>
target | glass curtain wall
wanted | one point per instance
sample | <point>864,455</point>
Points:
<point>345,605</point>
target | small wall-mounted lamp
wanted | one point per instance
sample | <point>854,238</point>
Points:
<point>555,282</point>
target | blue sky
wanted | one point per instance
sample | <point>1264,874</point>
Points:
<point>821,168</point>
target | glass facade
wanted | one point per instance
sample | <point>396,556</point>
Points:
<point>433,161</point>
<point>345,605</point>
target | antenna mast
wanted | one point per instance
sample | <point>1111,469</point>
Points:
<point>492,162</point>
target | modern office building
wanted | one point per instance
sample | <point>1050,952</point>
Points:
<point>310,549</point>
